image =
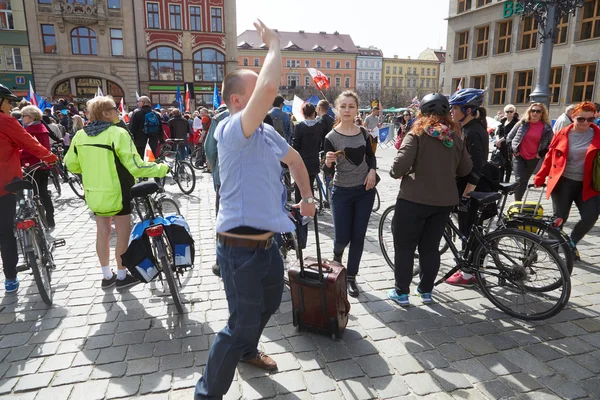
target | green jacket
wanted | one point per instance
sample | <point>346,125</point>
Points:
<point>108,162</point>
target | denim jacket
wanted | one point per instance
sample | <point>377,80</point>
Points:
<point>516,135</point>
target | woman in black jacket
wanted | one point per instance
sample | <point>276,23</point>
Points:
<point>506,124</point>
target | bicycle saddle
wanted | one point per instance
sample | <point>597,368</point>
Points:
<point>508,187</point>
<point>144,189</point>
<point>485,197</point>
<point>18,185</point>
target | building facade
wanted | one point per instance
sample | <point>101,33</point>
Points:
<point>404,79</point>
<point>491,45</point>
<point>368,74</point>
<point>439,55</point>
<point>15,63</point>
<point>333,54</point>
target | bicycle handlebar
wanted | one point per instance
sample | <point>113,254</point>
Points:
<point>532,185</point>
<point>32,168</point>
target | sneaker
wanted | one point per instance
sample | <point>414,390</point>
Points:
<point>262,361</point>
<point>400,299</point>
<point>106,283</point>
<point>458,280</point>
<point>425,297</point>
<point>216,269</point>
<point>11,285</point>
<point>576,255</point>
<point>129,281</point>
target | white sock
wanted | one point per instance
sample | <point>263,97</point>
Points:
<point>107,272</point>
<point>121,274</point>
<point>467,276</point>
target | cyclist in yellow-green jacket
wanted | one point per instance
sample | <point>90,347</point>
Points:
<point>108,162</point>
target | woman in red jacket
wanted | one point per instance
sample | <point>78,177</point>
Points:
<point>569,168</point>
<point>32,119</point>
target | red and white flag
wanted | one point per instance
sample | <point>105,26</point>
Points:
<point>319,78</point>
<point>148,154</point>
<point>32,98</point>
<point>124,115</point>
<point>187,98</point>
<point>459,87</point>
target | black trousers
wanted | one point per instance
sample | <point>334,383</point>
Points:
<point>564,194</point>
<point>8,241</point>
<point>523,170</point>
<point>422,226</point>
<point>506,170</point>
<point>41,177</point>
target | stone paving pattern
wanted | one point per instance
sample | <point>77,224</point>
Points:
<point>95,344</point>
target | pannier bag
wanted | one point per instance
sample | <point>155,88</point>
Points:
<point>181,240</point>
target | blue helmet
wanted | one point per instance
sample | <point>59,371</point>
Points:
<point>467,97</point>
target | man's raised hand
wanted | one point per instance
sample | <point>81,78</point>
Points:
<point>268,36</point>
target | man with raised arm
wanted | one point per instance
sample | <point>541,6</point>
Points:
<point>251,213</point>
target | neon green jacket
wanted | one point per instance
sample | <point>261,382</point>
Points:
<point>108,162</point>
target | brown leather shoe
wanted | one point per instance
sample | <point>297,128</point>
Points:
<point>263,361</point>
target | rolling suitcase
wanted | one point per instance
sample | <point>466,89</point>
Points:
<point>319,293</point>
<point>532,208</point>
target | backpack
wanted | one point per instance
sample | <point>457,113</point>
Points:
<point>151,124</point>
<point>278,124</point>
<point>497,159</point>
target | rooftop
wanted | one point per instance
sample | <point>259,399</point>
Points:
<point>370,51</point>
<point>301,41</point>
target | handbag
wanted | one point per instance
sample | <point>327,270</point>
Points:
<point>596,173</point>
<point>368,143</point>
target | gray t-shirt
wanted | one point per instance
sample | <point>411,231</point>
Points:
<point>578,146</point>
<point>352,167</point>
<point>371,122</point>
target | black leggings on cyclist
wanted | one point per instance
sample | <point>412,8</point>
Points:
<point>417,226</point>
<point>8,241</point>
<point>41,178</point>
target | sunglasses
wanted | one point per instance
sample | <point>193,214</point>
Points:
<point>536,111</point>
<point>583,119</point>
<point>509,112</point>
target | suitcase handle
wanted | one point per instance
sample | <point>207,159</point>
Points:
<point>298,219</point>
<point>537,206</point>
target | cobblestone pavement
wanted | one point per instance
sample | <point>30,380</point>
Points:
<point>95,344</point>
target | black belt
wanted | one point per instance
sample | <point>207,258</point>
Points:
<point>244,242</point>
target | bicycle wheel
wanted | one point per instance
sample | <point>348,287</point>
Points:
<point>185,177</point>
<point>171,279</point>
<point>76,184</point>
<point>560,241</point>
<point>386,235</point>
<point>54,176</point>
<point>197,158</point>
<point>40,271</point>
<point>512,269</point>
<point>377,202</point>
<point>166,206</point>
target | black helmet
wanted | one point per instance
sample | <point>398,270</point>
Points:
<point>435,103</point>
<point>5,93</point>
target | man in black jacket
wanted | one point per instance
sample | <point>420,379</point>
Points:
<point>325,119</point>
<point>138,128</point>
<point>180,129</point>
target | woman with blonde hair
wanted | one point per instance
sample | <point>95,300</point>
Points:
<point>108,162</point>
<point>77,126</point>
<point>529,142</point>
<point>428,192</point>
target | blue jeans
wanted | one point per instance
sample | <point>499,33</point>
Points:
<point>351,208</point>
<point>253,281</point>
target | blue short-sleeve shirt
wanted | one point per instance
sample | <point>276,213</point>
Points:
<point>252,192</point>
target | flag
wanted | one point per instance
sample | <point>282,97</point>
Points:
<point>158,107</point>
<point>99,93</point>
<point>124,115</point>
<point>216,98</point>
<point>148,154</point>
<point>187,98</point>
<point>383,134</point>
<point>32,97</point>
<point>179,99</point>
<point>459,87</point>
<point>319,78</point>
<point>297,108</point>
<point>137,96</point>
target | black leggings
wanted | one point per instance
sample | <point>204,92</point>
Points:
<point>422,226</point>
<point>8,241</point>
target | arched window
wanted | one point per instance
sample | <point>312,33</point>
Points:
<point>209,65</point>
<point>83,41</point>
<point>165,64</point>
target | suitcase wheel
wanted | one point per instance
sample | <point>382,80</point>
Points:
<point>297,319</point>
<point>334,329</point>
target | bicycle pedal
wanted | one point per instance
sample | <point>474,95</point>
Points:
<point>22,268</point>
<point>59,243</point>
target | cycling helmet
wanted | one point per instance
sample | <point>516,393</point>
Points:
<point>467,98</point>
<point>434,103</point>
<point>5,93</point>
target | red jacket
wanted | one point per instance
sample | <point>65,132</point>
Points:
<point>556,161</point>
<point>12,138</point>
<point>39,132</point>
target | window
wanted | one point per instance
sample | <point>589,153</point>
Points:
<point>293,80</point>
<point>256,62</point>
<point>216,19</point>
<point>6,17</point>
<point>427,82</point>
<point>14,61</point>
<point>246,62</point>
<point>481,3</point>
<point>433,72</point>
<point>504,37</point>
<point>209,65</point>
<point>590,20</point>
<point>347,82</point>
<point>174,17</point>
<point>394,81</point>
<point>307,63</point>
<point>414,71</point>
<point>347,64</point>
<point>49,39</point>
<point>387,81</point>
<point>462,46</point>
<point>529,28</point>
<point>456,82</point>
<point>387,69</point>
<point>87,2</point>
<point>481,41</point>
<point>464,5</point>
<point>422,71</point>
<point>307,81</point>
<point>555,81</point>
<point>478,82</point>
<point>46,2</point>
<point>499,90</point>
<point>395,70</point>
<point>328,64</point>
<point>583,82</point>
<point>563,29</point>
<point>400,70</point>
<point>83,41</point>
<point>360,75</point>
<point>318,63</point>
<point>377,75</point>
<point>195,19</point>
<point>422,83</point>
<point>428,71</point>
<point>338,81</point>
<point>116,42</point>
<point>152,15</point>
<point>114,4</point>
<point>165,64</point>
<point>338,64</point>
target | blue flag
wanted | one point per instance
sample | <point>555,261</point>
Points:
<point>216,98</point>
<point>383,134</point>
<point>179,99</point>
<point>158,107</point>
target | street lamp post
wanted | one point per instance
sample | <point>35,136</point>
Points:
<point>547,13</point>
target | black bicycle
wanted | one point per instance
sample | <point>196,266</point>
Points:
<point>181,170</point>
<point>34,246</point>
<point>60,172</point>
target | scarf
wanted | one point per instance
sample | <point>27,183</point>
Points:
<point>443,133</point>
<point>97,127</point>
